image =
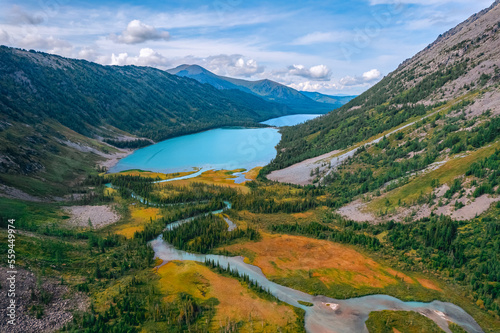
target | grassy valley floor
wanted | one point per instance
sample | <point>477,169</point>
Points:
<point>294,243</point>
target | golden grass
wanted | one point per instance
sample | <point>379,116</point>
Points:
<point>139,218</point>
<point>303,215</point>
<point>148,174</point>
<point>332,263</point>
<point>428,284</point>
<point>103,299</point>
<point>252,174</point>
<point>236,302</point>
<point>110,191</point>
<point>246,218</point>
<point>129,231</point>
<point>214,177</point>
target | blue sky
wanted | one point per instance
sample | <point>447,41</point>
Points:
<point>336,47</point>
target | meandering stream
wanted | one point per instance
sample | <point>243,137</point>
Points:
<point>232,149</point>
<point>326,314</point>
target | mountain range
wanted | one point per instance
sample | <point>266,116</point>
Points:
<point>297,101</point>
<point>396,193</point>
<point>46,100</point>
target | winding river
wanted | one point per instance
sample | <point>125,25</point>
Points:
<point>326,314</point>
<point>239,148</point>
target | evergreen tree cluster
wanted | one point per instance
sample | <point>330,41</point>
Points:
<point>205,233</point>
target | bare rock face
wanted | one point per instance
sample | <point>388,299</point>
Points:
<point>41,305</point>
<point>462,68</point>
<point>471,51</point>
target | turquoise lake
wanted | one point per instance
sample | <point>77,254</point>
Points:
<point>224,148</point>
<point>291,120</point>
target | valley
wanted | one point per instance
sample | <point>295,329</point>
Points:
<point>146,200</point>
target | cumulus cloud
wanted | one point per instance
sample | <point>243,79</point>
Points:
<point>49,44</point>
<point>88,53</point>
<point>19,16</point>
<point>372,75</point>
<point>314,86</point>
<point>138,32</point>
<point>318,73</point>
<point>120,59</point>
<point>231,65</point>
<point>367,78</point>
<point>4,36</point>
<point>146,57</point>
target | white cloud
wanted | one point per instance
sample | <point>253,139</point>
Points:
<point>120,59</point>
<point>319,72</point>
<point>138,32</point>
<point>348,83</point>
<point>49,44</point>
<point>314,86</point>
<point>246,68</point>
<point>146,57</point>
<point>372,75</point>
<point>4,36</point>
<point>88,53</point>
<point>365,79</point>
<point>231,65</point>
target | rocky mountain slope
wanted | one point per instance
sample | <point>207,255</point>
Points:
<point>462,62</point>
<point>437,111</point>
<point>417,156</point>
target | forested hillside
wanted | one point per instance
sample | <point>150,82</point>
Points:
<point>57,114</point>
<point>140,100</point>
<point>417,157</point>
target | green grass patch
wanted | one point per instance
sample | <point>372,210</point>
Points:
<point>305,303</point>
<point>423,185</point>
<point>402,321</point>
<point>29,215</point>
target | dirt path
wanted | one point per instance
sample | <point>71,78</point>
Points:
<point>300,173</point>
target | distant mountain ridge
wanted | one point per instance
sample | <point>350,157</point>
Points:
<point>297,101</point>
<point>333,100</point>
<point>55,114</point>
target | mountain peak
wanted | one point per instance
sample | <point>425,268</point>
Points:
<point>190,69</point>
<point>267,89</point>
